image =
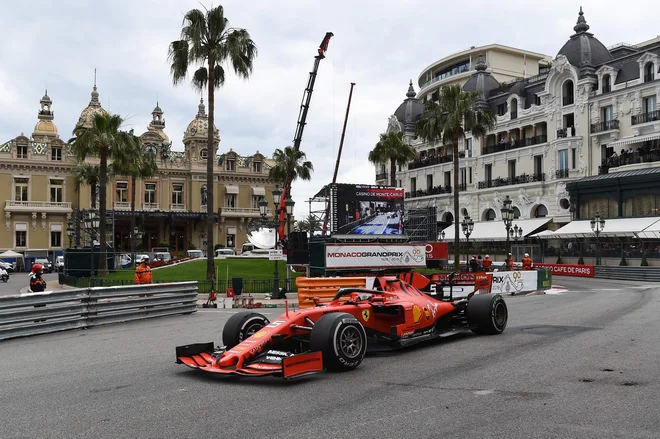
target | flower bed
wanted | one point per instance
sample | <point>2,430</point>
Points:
<point>158,263</point>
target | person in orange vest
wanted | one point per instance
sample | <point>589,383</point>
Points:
<point>527,262</point>
<point>509,262</point>
<point>487,263</point>
<point>143,272</point>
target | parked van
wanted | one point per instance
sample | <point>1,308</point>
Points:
<point>195,254</point>
<point>59,263</point>
<point>246,247</point>
<point>224,252</point>
<point>162,256</point>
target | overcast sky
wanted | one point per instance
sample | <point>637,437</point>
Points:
<point>380,45</point>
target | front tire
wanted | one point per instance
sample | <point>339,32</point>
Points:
<point>487,314</point>
<point>342,340</point>
<point>242,326</point>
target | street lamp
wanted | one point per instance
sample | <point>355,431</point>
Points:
<point>507,217</point>
<point>442,235</point>
<point>69,231</point>
<point>263,211</point>
<point>289,212</point>
<point>516,233</point>
<point>92,223</point>
<point>137,235</point>
<point>468,227</point>
<point>597,225</point>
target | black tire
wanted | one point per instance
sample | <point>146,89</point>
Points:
<point>342,340</point>
<point>487,314</point>
<point>241,326</point>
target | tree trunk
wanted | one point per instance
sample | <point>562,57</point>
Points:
<point>457,241</point>
<point>133,241</point>
<point>210,184</point>
<point>103,178</point>
<point>393,172</point>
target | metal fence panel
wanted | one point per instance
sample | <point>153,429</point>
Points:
<point>643,274</point>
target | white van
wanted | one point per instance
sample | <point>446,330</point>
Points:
<point>195,254</point>
<point>222,253</point>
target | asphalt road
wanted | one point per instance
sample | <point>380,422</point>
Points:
<point>583,364</point>
<point>20,280</point>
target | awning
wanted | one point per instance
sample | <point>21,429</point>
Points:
<point>56,227</point>
<point>634,139</point>
<point>258,191</point>
<point>231,189</point>
<point>495,230</point>
<point>20,227</point>
<point>546,234</point>
<point>630,227</point>
<point>652,231</point>
<point>231,230</point>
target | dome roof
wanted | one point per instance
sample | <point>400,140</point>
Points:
<point>410,110</point>
<point>518,89</point>
<point>583,48</point>
<point>199,126</point>
<point>94,108</point>
<point>45,127</point>
<point>481,80</point>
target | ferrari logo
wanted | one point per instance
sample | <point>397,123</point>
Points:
<point>365,315</point>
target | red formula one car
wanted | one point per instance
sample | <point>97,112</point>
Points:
<point>335,336</point>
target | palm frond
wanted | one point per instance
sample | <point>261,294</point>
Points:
<point>200,78</point>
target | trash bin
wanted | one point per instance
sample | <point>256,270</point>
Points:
<point>237,285</point>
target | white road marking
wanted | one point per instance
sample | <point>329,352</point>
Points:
<point>484,392</point>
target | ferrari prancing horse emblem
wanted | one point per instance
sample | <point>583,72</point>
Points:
<point>365,315</point>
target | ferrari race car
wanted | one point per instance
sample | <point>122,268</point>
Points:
<point>335,336</point>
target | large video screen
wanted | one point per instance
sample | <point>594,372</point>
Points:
<point>367,210</point>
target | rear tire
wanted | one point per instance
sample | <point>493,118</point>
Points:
<point>487,314</point>
<point>241,326</point>
<point>342,340</point>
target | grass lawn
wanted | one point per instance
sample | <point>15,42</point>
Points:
<point>196,270</point>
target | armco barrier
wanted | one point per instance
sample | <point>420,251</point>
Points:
<point>53,311</point>
<point>643,274</point>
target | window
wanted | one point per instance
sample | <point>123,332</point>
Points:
<point>537,100</point>
<point>573,158</point>
<point>468,147</point>
<point>448,179</point>
<point>56,235</point>
<point>20,234</point>
<point>563,160</point>
<point>469,175</point>
<point>231,239</point>
<point>490,215</point>
<point>516,212</point>
<point>122,192</point>
<point>463,177</point>
<point>501,109</point>
<point>150,193</point>
<point>568,93</point>
<point>607,84</point>
<point>606,114</point>
<point>21,189</point>
<point>56,191</point>
<point>649,104</point>
<point>383,169</point>
<point>56,153</point>
<point>489,173</point>
<point>230,200</point>
<point>413,184</point>
<point>231,164</point>
<point>204,153</point>
<point>514,108</point>
<point>21,151</point>
<point>256,167</point>
<point>177,193</point>
<point>512,170</point>
<point>649,72</point>
<point>540,212</point>
<point>255,201</point>
<point>429,181</point>
<point>538,165</point>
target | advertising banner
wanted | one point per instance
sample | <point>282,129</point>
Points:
<point>512,282</point>
<point>544,278</point>
<point>569,269</point>
<point>374,256</point>
<point>437,251</point>
<point>367,210</point>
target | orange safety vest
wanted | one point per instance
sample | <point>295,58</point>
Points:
<point>527,263</point>
<point>509,264</point>
<point>487,263</point>
<point>143,274</point>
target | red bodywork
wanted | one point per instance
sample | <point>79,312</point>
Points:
<point>396,315</point>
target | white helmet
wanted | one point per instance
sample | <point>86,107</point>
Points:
<point>527,255</point>
<point>486,256</point>
<point>144,259</point>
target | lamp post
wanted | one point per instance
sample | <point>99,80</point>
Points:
<point>290,204</point>
<point>92,223</point>
<point>507,217</point>
<point>69,232</point>
<point>263,211</point>
<point>137,235</point>
<point>442,235</point>
<point>468,227</point>
<point>597,225</point>
<point>516,233</point>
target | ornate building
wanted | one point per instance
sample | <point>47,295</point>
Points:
<point>42,202</point>
<point>555,139</point>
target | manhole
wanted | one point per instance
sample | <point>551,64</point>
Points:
<point>587,380</point>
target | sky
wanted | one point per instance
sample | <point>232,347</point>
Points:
<point>379,45</point>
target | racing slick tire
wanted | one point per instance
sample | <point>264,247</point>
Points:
<point>487,314</point>
<point>342,340</point>
<point>241,326</point>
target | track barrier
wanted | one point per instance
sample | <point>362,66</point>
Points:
<point>52,311</point>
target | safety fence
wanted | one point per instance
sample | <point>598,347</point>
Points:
<point>643,274</point>
<point>53,311</point>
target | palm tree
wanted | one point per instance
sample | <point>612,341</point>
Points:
<point>135,163</point>
<point>291,162</point>
<point>309,224</point>
<point>103,139</point>
<point>207,40</point>
<point>391,148</point>
<point>86,174</point>
<point>447,121</point>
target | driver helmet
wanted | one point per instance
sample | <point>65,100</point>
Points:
<point>37,268</point>
<point>527,255</point>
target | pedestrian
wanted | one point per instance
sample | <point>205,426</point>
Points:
<point>37,283</point>
<point>487,263</point>
<point>480,262</point>
<point>143,272</point>
<point>527,262</point>
<point>509,262</point>
<point>474,266</point>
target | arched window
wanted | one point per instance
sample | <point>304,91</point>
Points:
<point>568,92</point>
<point>649,72</point>
<point>607,84</point>
<point>514,108</point>
<point>541,211</point>
<point>449,218</point>
<point>516,212</point>
<point>489,215</point>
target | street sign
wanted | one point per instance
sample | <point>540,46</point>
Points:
<point>276,255</point>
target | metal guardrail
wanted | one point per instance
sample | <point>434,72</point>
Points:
<point>644,274</point>
<point>54,311</point>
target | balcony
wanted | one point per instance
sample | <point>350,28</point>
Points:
<point>243,212</point>
<point>561,173</point>
<point>381,176</point>
<point>38,206</point>
<point>563,133</point>
<point>520,179</point>
<point>121,205</point>
<point>176,207</point>
<point>150,206</point>
<point>642,155</point>
<point>568,100</point>
<point>429,161</point>
<point>605,126</point>
<point>455,71</point>
<point>649,77</point>
<point>651,116</point>
<point>506,146</point>
<point>432,191</point>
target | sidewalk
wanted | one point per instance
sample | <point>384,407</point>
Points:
<point>52,286</point>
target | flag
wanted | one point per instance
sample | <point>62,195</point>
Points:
<point>524,66</point>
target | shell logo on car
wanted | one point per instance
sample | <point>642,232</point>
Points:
<point>417,314</point>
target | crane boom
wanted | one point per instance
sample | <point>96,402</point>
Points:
<point>300,126</point>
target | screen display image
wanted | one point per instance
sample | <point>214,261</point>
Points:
<point>368,210</point>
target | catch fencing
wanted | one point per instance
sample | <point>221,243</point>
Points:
<point>53,311</point>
